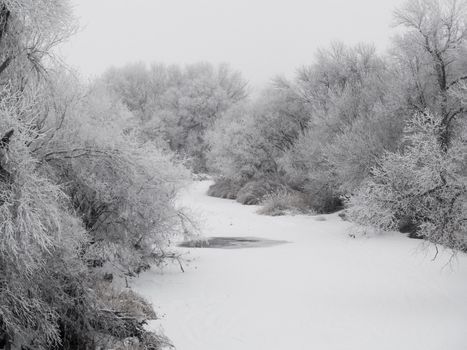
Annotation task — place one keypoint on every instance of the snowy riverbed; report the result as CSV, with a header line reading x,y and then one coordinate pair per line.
x,y
322,290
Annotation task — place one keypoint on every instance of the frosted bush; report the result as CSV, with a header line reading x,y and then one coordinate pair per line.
x,y
422,183
285,202
123,187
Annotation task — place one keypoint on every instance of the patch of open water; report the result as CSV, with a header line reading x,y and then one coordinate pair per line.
x,y
231,242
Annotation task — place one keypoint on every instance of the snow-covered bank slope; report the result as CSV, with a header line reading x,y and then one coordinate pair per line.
x,y
323,290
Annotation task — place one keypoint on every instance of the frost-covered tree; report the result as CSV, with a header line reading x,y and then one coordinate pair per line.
x,y
178,104
354,117
247,140
432,53
422,183
36,228
123,188
66,153
29,30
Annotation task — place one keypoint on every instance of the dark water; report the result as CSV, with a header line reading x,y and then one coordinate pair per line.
x,y
231,242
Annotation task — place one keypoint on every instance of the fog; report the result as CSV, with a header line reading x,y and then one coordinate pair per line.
x,y
260,38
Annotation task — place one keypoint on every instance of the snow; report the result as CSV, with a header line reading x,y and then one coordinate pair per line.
x,y
322,290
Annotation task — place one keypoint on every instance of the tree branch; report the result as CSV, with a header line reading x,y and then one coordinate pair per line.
x,y
5,64
5,141
457,81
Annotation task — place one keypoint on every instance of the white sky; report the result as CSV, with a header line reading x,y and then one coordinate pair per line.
x,y
261,38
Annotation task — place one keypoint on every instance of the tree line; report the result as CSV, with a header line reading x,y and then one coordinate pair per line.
x,y
382,135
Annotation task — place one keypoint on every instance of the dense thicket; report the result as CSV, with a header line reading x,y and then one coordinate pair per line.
x,y
247,142
382,134
319,134
84,200
177,105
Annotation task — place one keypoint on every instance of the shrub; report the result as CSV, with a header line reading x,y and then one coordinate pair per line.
x,y
255,191
283,202
423,185
123,188
324,198
224,188
307,170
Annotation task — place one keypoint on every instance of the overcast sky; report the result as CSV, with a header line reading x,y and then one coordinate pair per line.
x,y
261,38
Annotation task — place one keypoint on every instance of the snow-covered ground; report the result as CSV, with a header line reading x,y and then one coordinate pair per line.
x,y
322,290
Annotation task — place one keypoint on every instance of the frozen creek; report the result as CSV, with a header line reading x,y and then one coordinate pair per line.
x,y
321,290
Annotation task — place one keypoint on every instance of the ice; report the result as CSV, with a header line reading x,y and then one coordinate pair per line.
x,y
322,290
